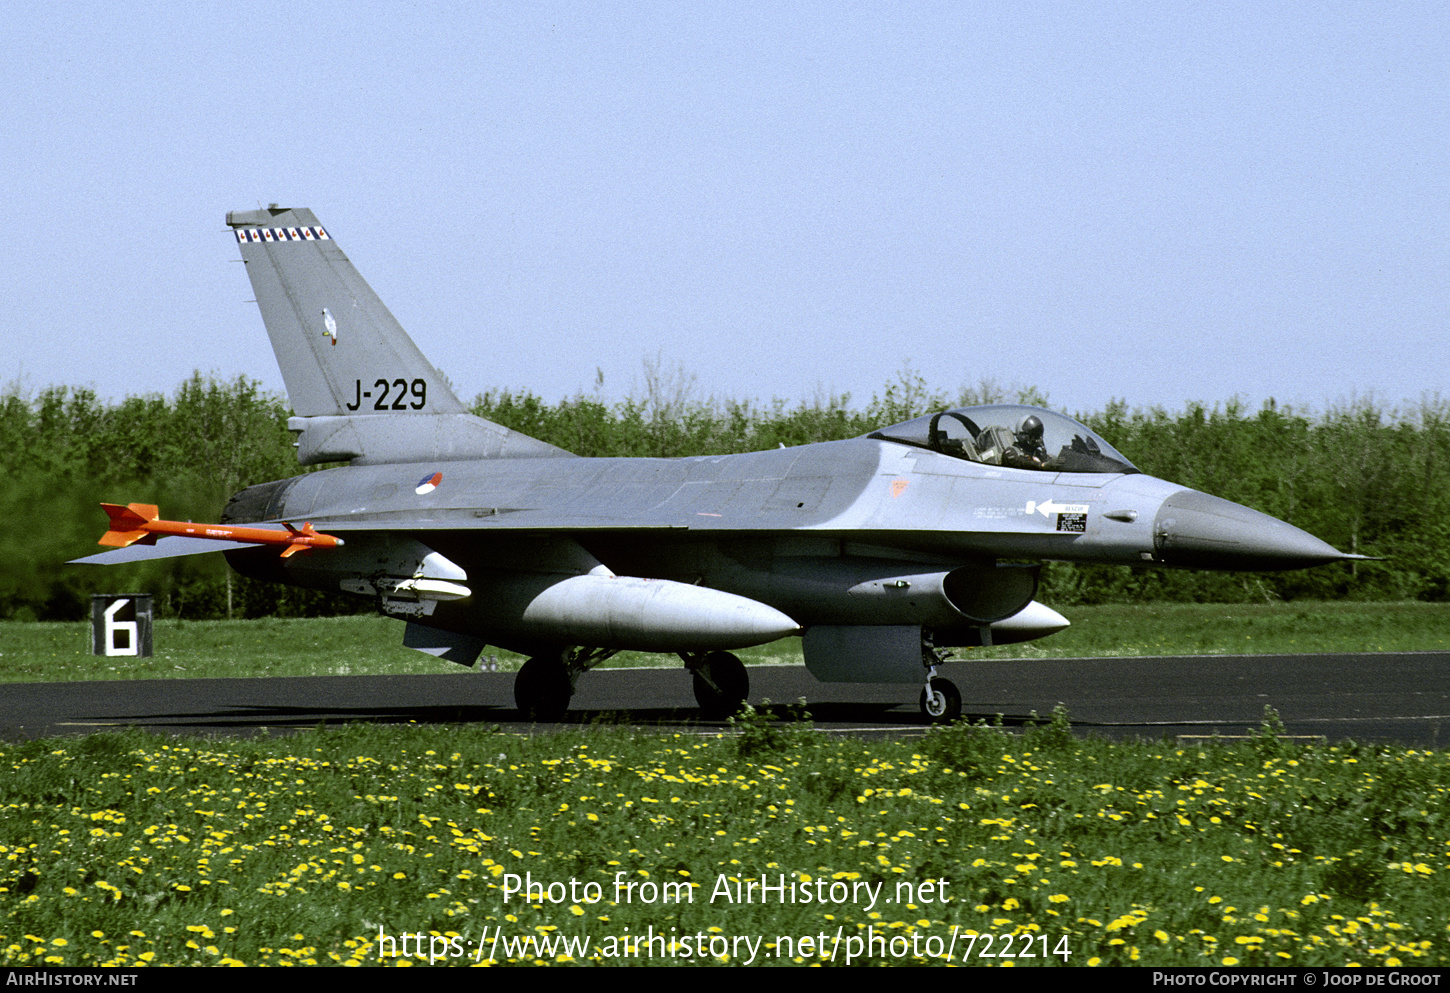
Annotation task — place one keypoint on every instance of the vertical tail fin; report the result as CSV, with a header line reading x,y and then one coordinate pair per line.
x,y
362,390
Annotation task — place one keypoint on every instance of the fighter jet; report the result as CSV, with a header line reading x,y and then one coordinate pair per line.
x,y
882,553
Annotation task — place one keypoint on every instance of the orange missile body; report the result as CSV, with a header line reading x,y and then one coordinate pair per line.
x,y
140,523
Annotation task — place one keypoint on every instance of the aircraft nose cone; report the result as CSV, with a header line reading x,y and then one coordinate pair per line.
x,y
1197,531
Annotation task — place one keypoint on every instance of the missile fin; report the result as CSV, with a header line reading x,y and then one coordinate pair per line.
x,y
128,524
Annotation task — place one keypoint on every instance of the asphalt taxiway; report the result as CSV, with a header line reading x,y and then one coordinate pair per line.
x,y
1403,698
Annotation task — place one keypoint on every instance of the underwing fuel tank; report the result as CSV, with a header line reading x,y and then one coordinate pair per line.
x,y
626,613
570,599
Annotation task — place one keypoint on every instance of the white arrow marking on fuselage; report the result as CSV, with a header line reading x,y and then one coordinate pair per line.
x,y
1047,508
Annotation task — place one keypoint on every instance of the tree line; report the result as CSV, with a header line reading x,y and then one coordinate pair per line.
x,y
1360,475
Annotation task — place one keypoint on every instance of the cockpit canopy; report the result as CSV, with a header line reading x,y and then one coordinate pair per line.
x,y
1011,435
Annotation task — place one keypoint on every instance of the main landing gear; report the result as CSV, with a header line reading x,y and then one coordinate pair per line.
x,y
721,683
542,688
545,683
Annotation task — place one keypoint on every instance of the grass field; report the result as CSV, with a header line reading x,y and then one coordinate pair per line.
x,y
770,844
39,652
971,845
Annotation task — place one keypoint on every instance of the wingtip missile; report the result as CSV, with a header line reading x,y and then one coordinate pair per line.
x,y
140,523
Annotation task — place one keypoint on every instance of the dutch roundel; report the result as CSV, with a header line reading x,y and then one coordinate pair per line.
x,y
428,483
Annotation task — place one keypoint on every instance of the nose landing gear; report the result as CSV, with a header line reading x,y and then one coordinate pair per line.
x,y
940,701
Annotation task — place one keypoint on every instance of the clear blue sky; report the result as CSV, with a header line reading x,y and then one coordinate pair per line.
x,y
1162,202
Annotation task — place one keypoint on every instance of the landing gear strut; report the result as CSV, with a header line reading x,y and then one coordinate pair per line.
x,y
721,683
940,701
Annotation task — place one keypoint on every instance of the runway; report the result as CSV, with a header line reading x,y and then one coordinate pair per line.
x,y
1396,698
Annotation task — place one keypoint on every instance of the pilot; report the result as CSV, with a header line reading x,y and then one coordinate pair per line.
x,y
1027,450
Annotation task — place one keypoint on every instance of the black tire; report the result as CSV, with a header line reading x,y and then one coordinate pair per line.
x,y
730,689
945,703
542,689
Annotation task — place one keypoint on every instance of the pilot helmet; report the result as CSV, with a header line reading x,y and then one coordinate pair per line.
x,y
1030,427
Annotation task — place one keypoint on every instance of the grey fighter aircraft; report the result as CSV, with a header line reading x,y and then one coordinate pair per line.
x,y
881,553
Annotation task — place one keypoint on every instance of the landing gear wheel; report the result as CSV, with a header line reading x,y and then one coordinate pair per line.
x,y
542,689
721,685
943,704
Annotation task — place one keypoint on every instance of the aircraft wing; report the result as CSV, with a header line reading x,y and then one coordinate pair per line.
x,y
528,520
522,520
165,548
